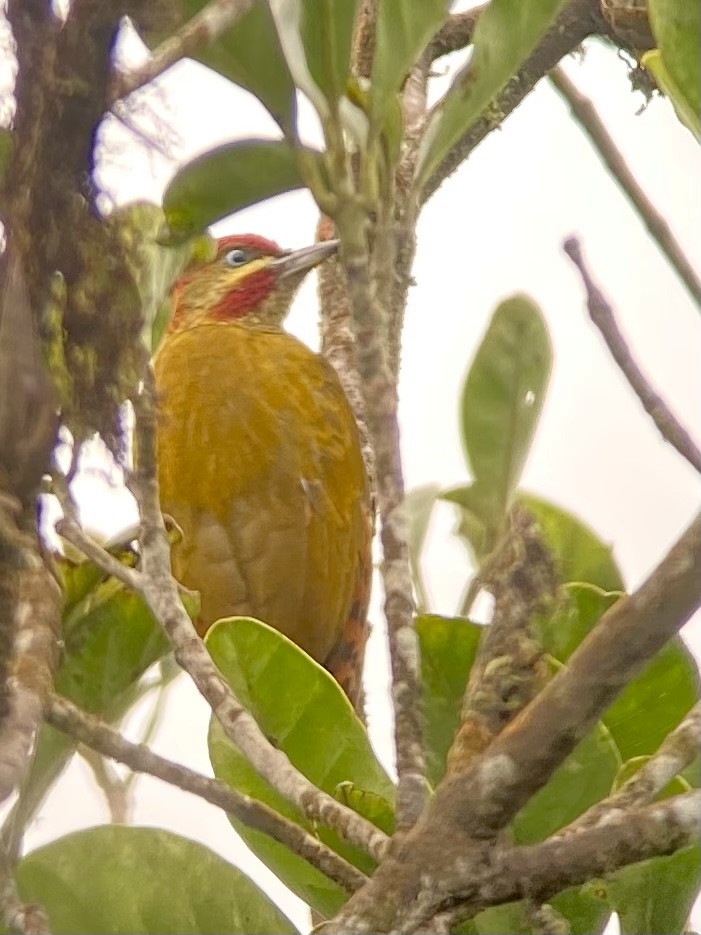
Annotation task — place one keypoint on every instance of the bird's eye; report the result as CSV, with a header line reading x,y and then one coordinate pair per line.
x,y
235,257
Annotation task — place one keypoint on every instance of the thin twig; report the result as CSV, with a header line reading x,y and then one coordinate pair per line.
x,y
369,318
106,741
588,119
204,28
601,314
674,755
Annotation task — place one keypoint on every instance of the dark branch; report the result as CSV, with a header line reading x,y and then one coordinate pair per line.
x,y
601,314
586,116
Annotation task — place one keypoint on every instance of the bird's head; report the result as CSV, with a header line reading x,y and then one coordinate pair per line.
x,y
250,280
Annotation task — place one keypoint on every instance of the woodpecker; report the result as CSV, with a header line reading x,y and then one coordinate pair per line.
x,y
260,460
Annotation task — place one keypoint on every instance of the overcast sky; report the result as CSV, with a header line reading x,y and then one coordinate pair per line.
x,y
493,229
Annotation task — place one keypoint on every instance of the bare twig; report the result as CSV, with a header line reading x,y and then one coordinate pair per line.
x,y
601,314
455,34
106,741
593,126
204,28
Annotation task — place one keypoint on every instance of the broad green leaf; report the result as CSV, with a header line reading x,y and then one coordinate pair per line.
x,y
374,807
418,505
506,33
402,32
580,554
578,610
586,915
154,267
448,648
655,897
655,702
227,179
303,711
585,777
585,911
143,880
249,54
502,399
676,25
316,36
327,33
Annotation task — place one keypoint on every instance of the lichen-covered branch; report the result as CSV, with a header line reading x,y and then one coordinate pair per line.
x,y
478,881
509,669
593,126
92,732
471,807
601,314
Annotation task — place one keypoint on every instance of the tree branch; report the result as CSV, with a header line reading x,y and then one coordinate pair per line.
x,y
540,871
675,753
106,741
579,19
369,319
472,806
586,116
204,28
601,314
508,670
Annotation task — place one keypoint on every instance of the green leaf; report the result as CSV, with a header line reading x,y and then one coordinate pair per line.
x,y
580,554
586,915
250,55
479,522
154,267
304,712
448,648
418,505
143,880
577,612
655,897
506,33
585,777
316,37
227,179
655,702
676,25
502,399
402,32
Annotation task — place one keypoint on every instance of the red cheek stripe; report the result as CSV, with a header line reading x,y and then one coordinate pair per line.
x,y
253,290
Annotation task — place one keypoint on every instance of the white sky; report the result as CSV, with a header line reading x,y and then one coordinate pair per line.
x,y
494,229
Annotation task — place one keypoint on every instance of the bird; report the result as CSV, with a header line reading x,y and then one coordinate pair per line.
x,y
260,462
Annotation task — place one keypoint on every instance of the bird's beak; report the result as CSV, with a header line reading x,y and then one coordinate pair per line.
x,y
299,261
